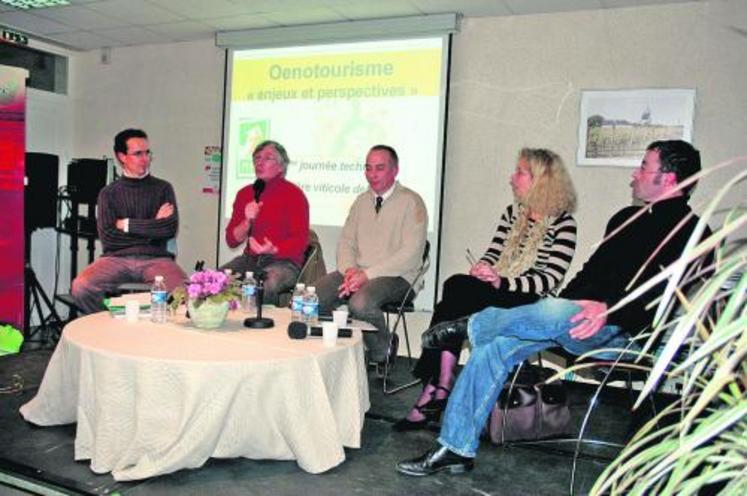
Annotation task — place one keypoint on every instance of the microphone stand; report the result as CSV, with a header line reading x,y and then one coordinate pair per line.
x,y
259,322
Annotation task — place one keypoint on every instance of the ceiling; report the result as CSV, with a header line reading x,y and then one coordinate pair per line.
x,y
92,24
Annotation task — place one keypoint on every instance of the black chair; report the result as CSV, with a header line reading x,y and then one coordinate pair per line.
x,y
401,309
313,250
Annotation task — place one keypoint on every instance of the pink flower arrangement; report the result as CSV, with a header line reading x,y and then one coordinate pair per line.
x,y
209,285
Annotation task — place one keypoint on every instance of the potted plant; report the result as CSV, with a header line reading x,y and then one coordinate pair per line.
x,y
698,444
208,295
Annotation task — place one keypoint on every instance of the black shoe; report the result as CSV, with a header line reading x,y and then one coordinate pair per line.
x,y
436,459
436,405
406,424
446,334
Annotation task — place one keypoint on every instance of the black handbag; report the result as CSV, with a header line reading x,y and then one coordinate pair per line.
x,y
534,410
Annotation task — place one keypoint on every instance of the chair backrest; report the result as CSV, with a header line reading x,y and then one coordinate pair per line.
x,y
418,283
313,267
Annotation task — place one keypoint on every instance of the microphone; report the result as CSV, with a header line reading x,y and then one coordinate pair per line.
x,y
258,187
297,330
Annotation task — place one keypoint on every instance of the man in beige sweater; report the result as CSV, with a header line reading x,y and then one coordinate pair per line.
x,y
379,252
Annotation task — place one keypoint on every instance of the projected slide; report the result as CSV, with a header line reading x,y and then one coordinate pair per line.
x,y
328,105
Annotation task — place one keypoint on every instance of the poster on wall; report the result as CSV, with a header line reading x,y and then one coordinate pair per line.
x,y
211,170
12,153
615,126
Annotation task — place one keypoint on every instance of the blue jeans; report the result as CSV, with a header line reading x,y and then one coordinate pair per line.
x,y
502,338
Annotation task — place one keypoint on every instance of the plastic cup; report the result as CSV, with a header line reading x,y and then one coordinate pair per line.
x,y
340,318
132,311
329,334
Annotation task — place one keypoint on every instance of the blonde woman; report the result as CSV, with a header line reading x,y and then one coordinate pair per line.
x,y
528,257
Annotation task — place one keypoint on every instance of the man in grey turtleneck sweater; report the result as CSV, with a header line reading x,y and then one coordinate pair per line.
x,y
137,216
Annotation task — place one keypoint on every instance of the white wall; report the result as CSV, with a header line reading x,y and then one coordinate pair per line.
x,y
48,118
175,93
49,129
515,82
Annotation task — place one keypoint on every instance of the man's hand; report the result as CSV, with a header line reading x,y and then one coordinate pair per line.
x,y
120,224
593,316
267,247
251,210
165,210
354,279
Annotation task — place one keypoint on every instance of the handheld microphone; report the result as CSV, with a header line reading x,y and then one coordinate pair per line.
x,y
297,330
258,187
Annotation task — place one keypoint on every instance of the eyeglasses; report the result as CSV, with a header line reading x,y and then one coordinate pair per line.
x,y
141,154
259,158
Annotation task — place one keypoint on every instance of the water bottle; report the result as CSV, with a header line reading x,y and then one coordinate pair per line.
x,y
158,305
249,294
311,307
297,302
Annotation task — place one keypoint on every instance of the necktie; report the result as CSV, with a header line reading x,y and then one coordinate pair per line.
x,y
379,200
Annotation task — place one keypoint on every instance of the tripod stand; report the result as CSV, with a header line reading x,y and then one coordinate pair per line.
x,y
50,326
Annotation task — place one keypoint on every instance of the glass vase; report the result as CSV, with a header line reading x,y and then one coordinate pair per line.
x,y
208,315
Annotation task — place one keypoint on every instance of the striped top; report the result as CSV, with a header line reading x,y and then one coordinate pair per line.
x,y
553,257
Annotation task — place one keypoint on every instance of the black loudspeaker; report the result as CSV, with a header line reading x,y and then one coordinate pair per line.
x,y
85,178
40,195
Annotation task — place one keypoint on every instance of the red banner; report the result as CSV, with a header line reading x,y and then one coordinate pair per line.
x,y
12,152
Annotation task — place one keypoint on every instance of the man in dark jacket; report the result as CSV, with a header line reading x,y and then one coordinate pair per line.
x,y
577,320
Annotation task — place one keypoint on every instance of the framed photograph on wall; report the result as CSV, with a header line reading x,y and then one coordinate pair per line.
x,y
615,126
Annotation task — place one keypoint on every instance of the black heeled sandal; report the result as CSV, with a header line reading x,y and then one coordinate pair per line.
x,y
406,424
436,406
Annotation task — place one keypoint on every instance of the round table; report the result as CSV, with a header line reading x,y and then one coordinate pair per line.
x,y
153,398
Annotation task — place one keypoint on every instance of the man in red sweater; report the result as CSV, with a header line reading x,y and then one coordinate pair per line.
x,y
272,217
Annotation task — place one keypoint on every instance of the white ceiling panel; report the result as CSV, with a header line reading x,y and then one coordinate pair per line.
x,y
31,23
374,10
135,11
611,4
200,9
80,17
85,40
135,35
183,31
522,7
475,8
307,16
279,5
195,19
249,21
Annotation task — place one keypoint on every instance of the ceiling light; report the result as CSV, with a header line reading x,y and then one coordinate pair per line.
x,y
35,4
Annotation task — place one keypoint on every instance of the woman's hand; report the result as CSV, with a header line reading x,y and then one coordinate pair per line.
x,y
485,272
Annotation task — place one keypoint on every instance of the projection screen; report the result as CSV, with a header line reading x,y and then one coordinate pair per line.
x,y
328,104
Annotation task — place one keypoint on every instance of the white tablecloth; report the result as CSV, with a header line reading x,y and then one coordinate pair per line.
x,y
150,399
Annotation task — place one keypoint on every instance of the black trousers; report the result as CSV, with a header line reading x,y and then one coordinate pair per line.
x,y
464,295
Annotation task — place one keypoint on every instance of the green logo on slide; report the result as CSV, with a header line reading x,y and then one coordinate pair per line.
x,y
251,133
